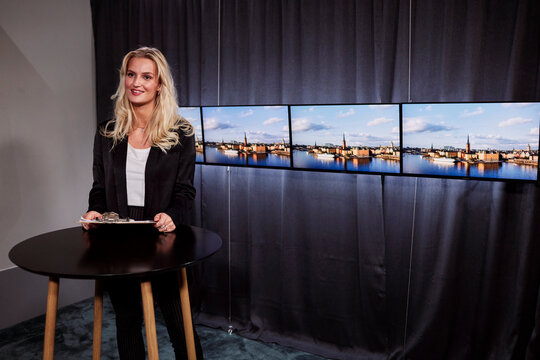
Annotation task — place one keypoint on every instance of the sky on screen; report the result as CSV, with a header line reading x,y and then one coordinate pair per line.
x,y
193,115
497,126
362,125
261,124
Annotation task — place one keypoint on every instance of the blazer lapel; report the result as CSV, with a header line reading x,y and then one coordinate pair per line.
x,y
119,156
152,164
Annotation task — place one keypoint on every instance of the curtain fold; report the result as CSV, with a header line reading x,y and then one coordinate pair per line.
x,y
472,270
475,50
319,287
305,52
185,31
353,266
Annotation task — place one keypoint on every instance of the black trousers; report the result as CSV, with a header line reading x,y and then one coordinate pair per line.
x,y
125,295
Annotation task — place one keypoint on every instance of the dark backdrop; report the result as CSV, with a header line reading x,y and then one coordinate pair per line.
x,y
353,266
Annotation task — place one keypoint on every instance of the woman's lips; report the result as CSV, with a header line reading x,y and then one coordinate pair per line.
x,y
136,92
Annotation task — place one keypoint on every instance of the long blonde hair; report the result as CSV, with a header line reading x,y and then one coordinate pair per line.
x,y
162,129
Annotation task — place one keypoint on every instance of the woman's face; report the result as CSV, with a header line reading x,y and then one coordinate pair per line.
x,y
141,81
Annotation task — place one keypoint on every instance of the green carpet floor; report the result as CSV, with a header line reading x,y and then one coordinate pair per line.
x,y
73,340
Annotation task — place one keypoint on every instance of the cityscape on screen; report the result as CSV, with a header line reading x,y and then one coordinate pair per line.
x,y
346,137
495,141
193,115
247,135
477,140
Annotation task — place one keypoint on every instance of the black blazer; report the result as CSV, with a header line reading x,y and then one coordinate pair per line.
x,y
168,179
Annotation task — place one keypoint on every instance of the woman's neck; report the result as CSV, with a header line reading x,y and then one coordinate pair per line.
x,y
142,115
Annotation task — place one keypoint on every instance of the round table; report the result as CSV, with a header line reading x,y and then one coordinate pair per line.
x,y
112,251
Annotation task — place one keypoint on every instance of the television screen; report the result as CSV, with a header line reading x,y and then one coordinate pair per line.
x,y
473,140
247,135
358,138
193,115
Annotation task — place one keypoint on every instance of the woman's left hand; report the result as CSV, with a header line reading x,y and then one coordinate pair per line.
x,y
164,223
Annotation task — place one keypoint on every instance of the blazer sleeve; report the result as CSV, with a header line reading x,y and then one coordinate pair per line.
x,y
97,198
184,191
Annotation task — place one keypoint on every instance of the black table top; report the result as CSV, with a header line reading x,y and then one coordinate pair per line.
x,y
113,250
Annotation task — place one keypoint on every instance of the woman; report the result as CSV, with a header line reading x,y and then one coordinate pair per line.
x,y
144,160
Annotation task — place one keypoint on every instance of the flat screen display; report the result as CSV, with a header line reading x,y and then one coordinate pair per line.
x,y
247,135
471,140
193,115
356,138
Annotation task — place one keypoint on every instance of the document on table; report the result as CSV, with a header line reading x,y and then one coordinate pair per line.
x,y
120,221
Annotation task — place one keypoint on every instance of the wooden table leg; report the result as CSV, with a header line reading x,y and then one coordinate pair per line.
x,y
149,320
186,314
50,318
98,320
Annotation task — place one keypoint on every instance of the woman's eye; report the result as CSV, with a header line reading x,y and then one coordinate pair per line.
x,y
147,77
130,74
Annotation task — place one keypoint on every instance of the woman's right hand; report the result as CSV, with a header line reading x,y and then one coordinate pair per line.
x,y
91,215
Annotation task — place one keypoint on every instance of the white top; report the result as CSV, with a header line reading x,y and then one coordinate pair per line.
x,y
135,166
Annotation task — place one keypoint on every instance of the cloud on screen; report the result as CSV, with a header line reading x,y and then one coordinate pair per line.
x,y
466,113
273,120
214,124
420,125
304,124
379,121
514,121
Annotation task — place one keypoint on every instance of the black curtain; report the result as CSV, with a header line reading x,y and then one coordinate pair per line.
x,y
475,50
313,52
353,266
185,31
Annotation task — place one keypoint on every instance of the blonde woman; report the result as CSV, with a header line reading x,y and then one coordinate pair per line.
x,y
144,161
